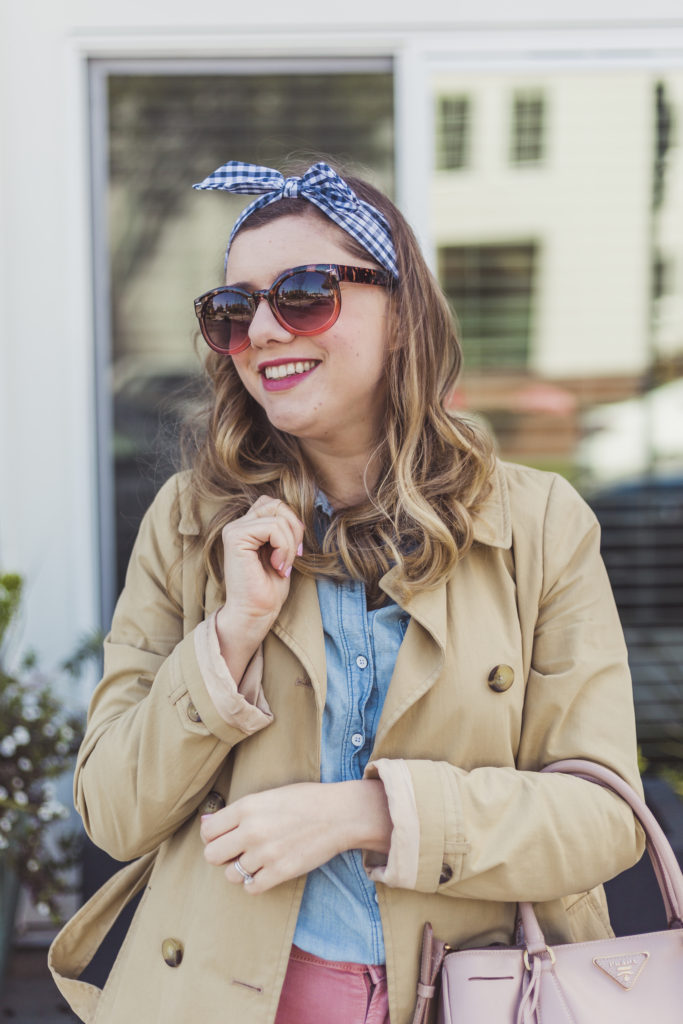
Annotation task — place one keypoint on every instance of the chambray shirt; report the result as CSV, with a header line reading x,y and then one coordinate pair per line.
x,y
339,916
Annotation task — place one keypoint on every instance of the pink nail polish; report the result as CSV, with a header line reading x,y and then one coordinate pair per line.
x,y
288,572
204,817
281,567
300,550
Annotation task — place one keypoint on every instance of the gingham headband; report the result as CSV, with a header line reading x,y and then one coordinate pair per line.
x,y
319,185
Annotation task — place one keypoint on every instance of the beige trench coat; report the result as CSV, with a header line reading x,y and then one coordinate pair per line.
x,y
531,595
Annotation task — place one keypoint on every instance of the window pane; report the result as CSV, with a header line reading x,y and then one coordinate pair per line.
x,y
527,128
452,133
491,289
167,242
568,285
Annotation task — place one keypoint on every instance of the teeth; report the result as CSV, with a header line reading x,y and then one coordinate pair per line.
x,y
288,369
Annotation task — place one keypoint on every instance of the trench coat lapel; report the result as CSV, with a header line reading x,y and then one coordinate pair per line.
x,y
299,626
422,655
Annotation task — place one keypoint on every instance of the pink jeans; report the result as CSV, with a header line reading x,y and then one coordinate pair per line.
x,y
332,991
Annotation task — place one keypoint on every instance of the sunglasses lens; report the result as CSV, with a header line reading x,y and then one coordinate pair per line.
x,y
308,301
226,317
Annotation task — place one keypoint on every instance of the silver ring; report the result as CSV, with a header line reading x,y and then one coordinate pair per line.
x,y
247,878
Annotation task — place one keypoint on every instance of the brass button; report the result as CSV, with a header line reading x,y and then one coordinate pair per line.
x,y
172,952
192,713
211,803
501,678
446,874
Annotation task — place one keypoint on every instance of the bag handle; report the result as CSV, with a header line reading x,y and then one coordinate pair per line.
x,y
666,867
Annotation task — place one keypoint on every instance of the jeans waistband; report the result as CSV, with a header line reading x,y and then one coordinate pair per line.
x,y
377,972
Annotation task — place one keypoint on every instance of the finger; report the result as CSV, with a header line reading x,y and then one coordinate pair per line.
x,y
284,546
277,508
253,534
217,824
222,850
264,879
235,876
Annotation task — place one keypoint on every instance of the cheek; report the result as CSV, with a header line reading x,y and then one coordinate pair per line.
x,y
249,381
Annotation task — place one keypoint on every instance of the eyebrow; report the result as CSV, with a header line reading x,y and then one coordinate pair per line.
x,y
245,286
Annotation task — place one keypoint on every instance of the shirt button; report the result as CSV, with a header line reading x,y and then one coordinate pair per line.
x,y
362,661
357,739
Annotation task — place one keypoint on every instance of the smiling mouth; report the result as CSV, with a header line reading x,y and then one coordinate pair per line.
x,y
289,369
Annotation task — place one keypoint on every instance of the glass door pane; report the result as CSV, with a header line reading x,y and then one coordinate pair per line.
x,y
165,243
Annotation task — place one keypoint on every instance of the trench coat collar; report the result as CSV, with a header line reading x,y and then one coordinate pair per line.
x,y
492,525
299,624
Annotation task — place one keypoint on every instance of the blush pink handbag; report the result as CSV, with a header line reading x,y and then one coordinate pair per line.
x,y
610,981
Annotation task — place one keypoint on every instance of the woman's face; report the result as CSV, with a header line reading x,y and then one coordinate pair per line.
x,y
336,401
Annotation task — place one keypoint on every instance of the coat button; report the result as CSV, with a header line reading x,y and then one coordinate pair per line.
x,y
501,678
172,952
211,803
192,713
446,874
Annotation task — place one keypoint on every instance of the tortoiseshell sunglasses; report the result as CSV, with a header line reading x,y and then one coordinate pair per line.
x,y
304,300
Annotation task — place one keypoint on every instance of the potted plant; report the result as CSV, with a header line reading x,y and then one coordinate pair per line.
x,y
38,738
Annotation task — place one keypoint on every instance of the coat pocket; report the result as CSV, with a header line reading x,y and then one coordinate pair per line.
x,y
588,916
78,941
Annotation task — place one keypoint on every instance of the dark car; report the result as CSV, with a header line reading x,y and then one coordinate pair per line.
x,y
642,545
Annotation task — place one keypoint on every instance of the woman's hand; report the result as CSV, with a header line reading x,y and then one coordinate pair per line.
x,y
286,832
259,551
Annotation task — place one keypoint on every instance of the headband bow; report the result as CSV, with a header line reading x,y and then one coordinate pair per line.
x,y
320,185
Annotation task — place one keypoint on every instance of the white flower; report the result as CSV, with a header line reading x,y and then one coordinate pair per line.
x,y
25,764
20,798
49,730
21,735
62,748
8,746
49,790
3,843
32,865
67,732
42,909
3,793
17,783
6,824
31,712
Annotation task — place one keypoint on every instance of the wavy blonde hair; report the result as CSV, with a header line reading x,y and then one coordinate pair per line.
x,y
435,467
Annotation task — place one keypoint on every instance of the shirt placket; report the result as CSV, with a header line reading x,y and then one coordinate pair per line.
x,y
353,629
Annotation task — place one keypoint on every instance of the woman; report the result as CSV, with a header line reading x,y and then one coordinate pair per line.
x,y
347,643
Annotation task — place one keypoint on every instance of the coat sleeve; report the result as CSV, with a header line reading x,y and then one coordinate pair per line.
x,y
509,833
155,740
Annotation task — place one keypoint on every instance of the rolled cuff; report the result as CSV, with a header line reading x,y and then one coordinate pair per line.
x,y
401,867
242,705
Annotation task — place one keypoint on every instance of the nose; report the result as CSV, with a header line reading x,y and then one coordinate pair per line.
x,y
265,328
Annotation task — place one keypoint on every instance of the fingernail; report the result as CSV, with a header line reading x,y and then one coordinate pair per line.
x,y
288,572
204,817
281,567
300,550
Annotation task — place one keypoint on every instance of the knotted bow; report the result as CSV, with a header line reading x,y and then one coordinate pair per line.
x,y
320,185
